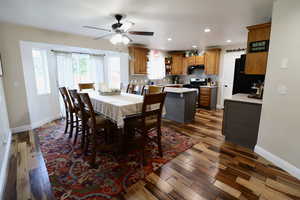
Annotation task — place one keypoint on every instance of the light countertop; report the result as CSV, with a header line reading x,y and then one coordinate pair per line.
x,y
179,90
244,98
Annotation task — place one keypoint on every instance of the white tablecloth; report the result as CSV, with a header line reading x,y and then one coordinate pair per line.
x,y
117,107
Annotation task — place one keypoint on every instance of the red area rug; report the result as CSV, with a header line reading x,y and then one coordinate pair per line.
x,y
71,176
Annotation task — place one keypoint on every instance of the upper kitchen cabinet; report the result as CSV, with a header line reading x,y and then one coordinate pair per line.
x,y
257,51
212,61
195,60
139,59
177,67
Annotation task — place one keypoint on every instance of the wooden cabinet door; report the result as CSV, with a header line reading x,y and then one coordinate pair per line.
x,y
212,61
139,59
177,64
199,60
143,59
205,97
185,65
191,61
256,63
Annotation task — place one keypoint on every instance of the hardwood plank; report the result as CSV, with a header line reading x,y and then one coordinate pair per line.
x,y
283,188
23,183
226,188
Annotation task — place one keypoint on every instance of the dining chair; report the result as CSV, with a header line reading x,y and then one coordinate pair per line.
x,y
70,112
152,89
85,86
95,124
131,89
147,121
81,116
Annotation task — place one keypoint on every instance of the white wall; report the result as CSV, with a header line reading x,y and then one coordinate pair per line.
x,y
5,138
279,132
14,83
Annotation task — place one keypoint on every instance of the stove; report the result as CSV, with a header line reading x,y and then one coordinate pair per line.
x,y
196,83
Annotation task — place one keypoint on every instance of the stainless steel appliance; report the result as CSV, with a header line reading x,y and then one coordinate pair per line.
x,y
196,83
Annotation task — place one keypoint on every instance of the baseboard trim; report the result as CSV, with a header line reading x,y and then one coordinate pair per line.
x,y
33,125
278,161
4,167
21,128
45,121
220,107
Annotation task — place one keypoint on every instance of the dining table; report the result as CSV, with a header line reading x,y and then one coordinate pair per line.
x,y
116,107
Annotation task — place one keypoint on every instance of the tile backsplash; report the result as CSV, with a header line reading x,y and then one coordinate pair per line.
x,y
183,79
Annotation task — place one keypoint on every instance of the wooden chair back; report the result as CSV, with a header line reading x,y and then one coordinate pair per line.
x,y
130,89
88,107
73,96
153,106
66,99
153,89
84,86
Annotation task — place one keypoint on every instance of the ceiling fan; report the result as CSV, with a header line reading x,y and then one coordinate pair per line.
x,y
119,31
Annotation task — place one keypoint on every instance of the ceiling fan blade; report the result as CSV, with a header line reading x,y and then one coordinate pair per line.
x,y
104,36
145,33
97,28
127,25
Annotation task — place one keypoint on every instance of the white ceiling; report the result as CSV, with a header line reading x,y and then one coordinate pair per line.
x,y
182,20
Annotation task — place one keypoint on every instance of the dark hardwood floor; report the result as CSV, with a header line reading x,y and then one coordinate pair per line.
x,y
212,169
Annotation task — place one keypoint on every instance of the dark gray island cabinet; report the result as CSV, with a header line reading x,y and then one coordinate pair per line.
x,y
241,120
180,104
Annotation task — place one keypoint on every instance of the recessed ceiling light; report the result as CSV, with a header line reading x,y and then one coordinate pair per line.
x,y
207,30
228,41
194,46
169,39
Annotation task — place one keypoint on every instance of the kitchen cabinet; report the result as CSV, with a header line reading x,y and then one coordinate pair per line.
x,y
139,59
195,60
177,67
256,62
208,97
212,61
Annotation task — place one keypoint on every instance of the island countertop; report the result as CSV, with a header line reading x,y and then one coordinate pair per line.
x,y
179,90
244,98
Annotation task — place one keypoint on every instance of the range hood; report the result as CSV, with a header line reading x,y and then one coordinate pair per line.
x,y
191,69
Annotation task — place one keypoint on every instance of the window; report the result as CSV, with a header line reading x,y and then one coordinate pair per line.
x,y
156,65
114,74
40,65
81,68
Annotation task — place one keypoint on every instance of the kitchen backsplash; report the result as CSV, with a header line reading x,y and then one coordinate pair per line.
x,y
183,79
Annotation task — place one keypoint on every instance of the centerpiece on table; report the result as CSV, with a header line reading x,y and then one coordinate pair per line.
x,y
106,91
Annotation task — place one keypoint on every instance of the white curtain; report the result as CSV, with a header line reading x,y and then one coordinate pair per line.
x,y
156,65
65,75
65,70
73,68
97,69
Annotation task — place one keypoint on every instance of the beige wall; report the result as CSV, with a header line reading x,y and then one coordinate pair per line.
x,y
4,138
279,131
10,37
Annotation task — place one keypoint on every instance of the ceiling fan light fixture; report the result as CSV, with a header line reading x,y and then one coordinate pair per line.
x,y
125,40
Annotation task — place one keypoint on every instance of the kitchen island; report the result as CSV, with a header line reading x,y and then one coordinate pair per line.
x,y
241,120
180,104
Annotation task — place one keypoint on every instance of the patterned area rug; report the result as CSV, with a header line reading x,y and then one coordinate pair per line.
x,y
71,176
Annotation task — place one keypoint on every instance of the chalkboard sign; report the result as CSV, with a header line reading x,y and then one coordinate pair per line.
x,y
259,46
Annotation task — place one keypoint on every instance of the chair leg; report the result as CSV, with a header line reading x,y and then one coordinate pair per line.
x,y
87,141
77,130
72,124
159,142
67,122
93,162
83,134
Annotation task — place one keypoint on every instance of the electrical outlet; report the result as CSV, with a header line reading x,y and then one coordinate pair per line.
x,y
284,63
282,89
